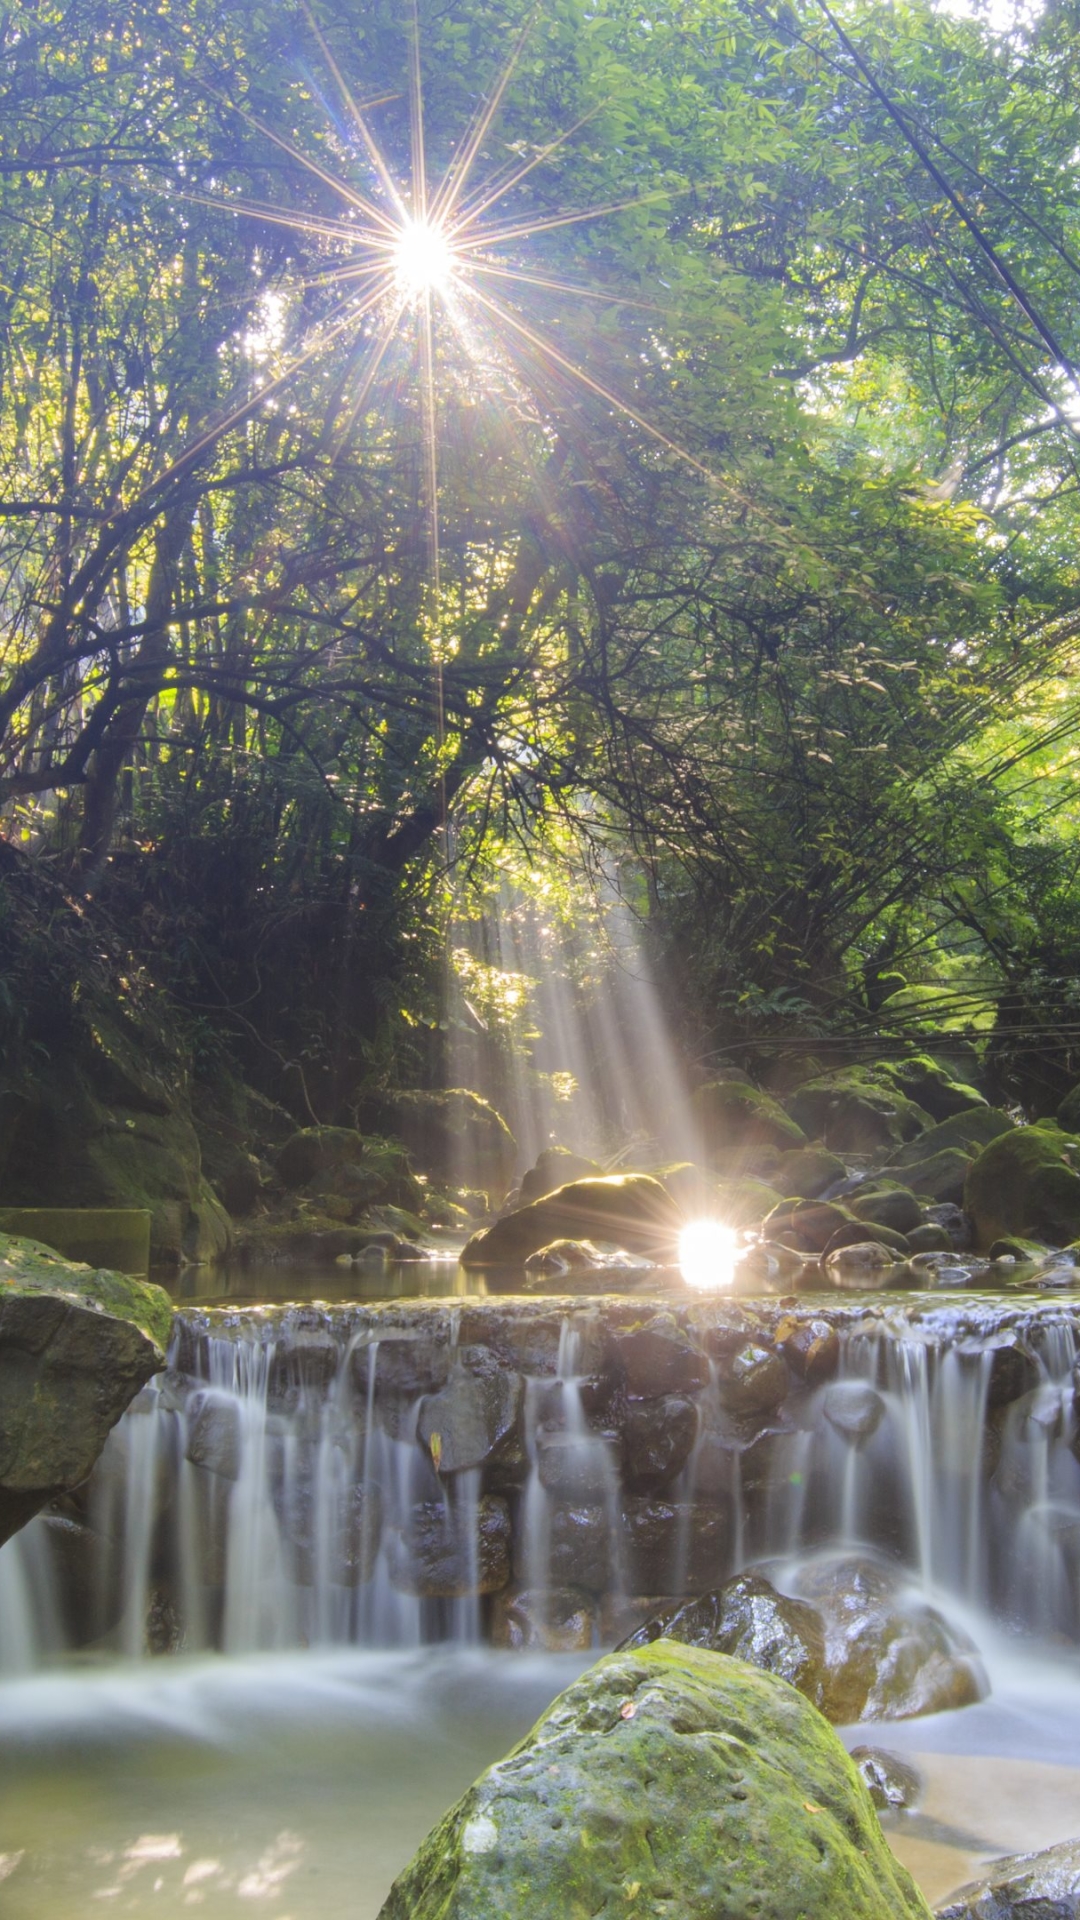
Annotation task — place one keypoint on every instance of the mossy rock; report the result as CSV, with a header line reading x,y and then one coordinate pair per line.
x,y
931,1086
939,1177
1068,1114
853,1113
861,1233
1013,1246
633,1210
891,1206
731,1115
1026,1182
969,1131
807,1172
76,1344
811,1224
666,1780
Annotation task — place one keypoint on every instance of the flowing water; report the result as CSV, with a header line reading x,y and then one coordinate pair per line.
x,y
327,1694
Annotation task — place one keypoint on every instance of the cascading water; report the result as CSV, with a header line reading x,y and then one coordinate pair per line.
x,y
282,1485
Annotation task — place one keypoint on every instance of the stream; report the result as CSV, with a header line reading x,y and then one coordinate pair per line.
x,y
283,1696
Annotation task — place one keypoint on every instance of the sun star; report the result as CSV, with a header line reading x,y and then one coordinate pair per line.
x,y
423,258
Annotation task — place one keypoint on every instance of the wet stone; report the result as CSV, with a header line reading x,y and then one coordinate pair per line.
x,y
579,1548
658,1358
310,1362
406,1365
748,1619
853,1410
548,1619
657,1439
891,1782
577,1466
214,1439
672,1547
753,1379
811,1348
441,1553
1013,1368
466,1423
1026,1886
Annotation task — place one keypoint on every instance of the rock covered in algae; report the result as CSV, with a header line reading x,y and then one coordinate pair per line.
x,y
665,1781
1026,1182
632,1209
76,1344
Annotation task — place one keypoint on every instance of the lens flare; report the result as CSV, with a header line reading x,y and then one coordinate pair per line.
x,y
707,1254
423,258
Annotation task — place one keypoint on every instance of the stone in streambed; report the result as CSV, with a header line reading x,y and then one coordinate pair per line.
x,y
473,1416
866,1233
666,1780
894,1207
931,1086
1025,1886
808,1224
853,1114
891,1782
808,1172
967,1132
854,1410
657,1438
733,1115
633,1210
76,1345
657,1358
940,1177
751,1378
550,1619
749,1620
1026,1182
810,1346
442,1554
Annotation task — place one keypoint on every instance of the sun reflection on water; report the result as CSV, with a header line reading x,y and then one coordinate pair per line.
x,y
707,1254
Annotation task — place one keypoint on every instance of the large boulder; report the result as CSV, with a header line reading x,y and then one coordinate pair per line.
x,y
931,1086
555,1167
666,1780
1026,1886
339,1165
731,1115
968,1132
454,1135
847,1636
75,1347
853,1113
1026,1182
632,1209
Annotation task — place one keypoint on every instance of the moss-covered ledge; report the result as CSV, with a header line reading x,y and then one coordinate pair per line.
x,y
76,1345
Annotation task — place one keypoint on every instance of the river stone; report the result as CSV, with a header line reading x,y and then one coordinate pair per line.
x,y
810,1224
863,1232
406,1362
752,1379
1025,1886
465,1424
895,1207
932,1088
579,1548
576,1466
891,1782
657,1358
555,1167
549,1619
810,1346
857,1257
1026,1182
930,1239
939,1176
854,1114
969,1132
750,1620
447,1555
633,1210
671,1547
214,1436
808,1172
76,1345
888,1656
731,1114
854,1410
664,1781
1013,1368
657,1438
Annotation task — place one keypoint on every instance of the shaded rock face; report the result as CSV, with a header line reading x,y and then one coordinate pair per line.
x,y
555,1167
1025,1886
110,1125
75,1347
669,1780
454,1134
1026,1182
465,1424
847,1639
632,1209
440,1554
733,1115
853,1114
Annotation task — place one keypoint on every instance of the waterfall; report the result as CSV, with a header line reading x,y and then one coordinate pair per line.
x,y
274,1487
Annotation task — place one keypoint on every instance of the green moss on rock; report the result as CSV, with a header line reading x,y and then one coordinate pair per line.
x,y
632,1209
733,1115
666,1780
1026,1182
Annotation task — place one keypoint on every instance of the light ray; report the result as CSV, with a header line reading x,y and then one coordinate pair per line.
x,y
356,111
375,361
549,351
316,224
477,265
333,181
496,189
416,122
526,229
458,172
